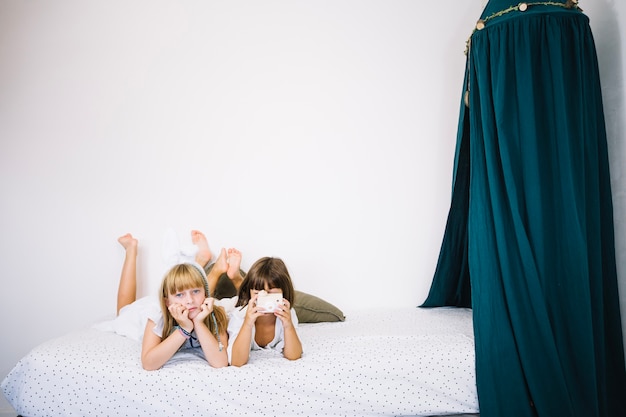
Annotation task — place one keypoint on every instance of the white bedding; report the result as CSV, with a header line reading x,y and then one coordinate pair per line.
x,y
412,361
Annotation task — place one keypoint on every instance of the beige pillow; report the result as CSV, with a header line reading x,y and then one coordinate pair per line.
x,y
312,309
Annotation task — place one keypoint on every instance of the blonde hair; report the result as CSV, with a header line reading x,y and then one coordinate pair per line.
x,y
179,278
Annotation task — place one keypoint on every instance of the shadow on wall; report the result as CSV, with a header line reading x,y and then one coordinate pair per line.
x,y
606,31
609,47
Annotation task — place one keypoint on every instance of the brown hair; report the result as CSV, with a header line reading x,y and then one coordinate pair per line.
x,y
270,271
183,277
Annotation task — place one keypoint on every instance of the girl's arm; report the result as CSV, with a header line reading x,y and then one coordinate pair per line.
x,y
293,346
243,340
154,351
241,346
210,345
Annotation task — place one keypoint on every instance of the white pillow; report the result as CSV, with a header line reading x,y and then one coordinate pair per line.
x,y
228,304
131,322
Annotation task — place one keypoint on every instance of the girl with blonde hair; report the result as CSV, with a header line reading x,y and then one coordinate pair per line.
x,y
188,318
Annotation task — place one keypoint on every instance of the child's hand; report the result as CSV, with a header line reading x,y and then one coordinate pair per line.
x,y
205,309
181,315
284,313
253,311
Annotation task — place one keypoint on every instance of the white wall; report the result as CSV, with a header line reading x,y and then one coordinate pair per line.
x,y
321,132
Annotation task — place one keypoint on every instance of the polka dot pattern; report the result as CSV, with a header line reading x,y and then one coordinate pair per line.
x,y
378,362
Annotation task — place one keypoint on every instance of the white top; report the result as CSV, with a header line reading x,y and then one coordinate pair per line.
x,y
235,320
132,318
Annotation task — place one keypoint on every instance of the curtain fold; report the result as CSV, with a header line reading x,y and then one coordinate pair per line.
x,y
530,227
451,283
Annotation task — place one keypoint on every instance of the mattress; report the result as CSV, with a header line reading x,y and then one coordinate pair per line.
x,y
404,362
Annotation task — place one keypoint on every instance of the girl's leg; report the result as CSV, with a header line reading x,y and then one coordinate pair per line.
x,y
204,255
127,290
216,270
234,271
227,262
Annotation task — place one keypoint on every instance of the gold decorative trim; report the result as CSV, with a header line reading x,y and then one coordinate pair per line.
x,y
521,7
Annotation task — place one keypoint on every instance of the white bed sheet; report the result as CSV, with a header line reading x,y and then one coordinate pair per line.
x,y
413,362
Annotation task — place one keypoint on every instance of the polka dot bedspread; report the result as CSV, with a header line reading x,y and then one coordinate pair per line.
x,y
413,362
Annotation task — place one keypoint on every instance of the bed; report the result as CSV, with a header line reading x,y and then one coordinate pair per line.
x,y
402,362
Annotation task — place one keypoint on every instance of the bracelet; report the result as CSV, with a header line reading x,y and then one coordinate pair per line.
x,y
184,332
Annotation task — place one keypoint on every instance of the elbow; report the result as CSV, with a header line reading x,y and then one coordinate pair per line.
x,y
293,357
292,354
240,356
238,362
221,364
148,365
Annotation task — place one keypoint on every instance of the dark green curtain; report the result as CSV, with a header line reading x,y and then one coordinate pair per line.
x,y
529,241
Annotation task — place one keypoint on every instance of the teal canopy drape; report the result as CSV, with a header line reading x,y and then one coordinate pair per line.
x,y
529,241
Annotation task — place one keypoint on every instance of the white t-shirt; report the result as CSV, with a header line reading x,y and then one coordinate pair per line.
x,y
131,321
236,318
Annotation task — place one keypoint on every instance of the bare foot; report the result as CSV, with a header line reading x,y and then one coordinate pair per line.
x,y
234,263
128,241
234,267
204,255
221,263
217,269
